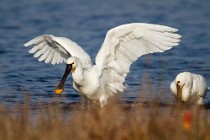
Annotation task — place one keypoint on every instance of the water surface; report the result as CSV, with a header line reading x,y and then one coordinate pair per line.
x,y
86,22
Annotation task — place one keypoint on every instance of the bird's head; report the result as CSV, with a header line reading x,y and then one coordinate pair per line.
x,y
183,83
73,61
71,65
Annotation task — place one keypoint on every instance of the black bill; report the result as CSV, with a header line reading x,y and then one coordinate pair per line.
x,y
60,88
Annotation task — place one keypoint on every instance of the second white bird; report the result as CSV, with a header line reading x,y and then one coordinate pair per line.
x,y
189,87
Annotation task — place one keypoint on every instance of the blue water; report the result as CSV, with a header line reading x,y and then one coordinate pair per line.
x,y
86,22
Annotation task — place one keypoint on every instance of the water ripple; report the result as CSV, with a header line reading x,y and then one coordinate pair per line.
x,y
21,74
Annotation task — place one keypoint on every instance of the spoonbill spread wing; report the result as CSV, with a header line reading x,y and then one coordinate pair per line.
x,y
126,43
56,50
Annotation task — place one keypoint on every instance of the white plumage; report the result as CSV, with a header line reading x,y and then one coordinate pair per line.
x,y
189,87
122,46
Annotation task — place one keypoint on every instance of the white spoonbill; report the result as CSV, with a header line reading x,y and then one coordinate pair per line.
x,y
122,46
189,87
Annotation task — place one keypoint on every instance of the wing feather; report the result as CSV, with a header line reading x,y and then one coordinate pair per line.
x,y
58,59
36,40
44,49
45,55
37,54
55,57
125,44
55,50
36,48
50,57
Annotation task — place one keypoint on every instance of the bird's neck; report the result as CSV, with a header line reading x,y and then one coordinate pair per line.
x,y
77,75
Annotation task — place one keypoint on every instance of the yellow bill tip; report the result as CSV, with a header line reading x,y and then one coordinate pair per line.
x,y
58,91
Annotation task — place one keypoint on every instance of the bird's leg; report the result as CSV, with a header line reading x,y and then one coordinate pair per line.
x,y
85,103
200,101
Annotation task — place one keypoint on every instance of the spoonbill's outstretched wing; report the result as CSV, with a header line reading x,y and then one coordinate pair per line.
x,y
55,50
125,44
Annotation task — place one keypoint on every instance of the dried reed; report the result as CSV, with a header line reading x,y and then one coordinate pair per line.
x,y
114,121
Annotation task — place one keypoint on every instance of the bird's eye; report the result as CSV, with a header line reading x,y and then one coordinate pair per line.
x,y
72,63
178,83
